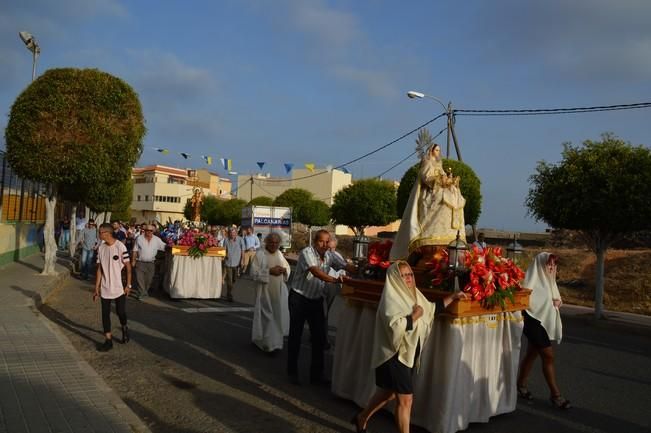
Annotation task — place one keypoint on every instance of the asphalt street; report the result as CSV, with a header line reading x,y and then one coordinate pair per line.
x,y
191,367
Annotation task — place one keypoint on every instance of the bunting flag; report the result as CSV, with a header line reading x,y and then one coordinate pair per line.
x,y
232,173
288,167
184,155
310,166
163,151
208,159
227,163
260,164
345,170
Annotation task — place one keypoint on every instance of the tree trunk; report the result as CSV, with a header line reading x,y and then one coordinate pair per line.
x,y
72,246
48,234
600,250
474,231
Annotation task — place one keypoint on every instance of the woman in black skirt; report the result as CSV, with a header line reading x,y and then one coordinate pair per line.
x,y
542,325
403,322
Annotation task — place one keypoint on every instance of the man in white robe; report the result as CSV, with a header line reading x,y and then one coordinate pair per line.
x,y
271,312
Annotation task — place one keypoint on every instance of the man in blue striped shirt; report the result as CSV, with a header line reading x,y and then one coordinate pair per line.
x,y
308,289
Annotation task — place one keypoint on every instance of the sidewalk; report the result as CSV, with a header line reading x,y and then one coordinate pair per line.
x,y
45,385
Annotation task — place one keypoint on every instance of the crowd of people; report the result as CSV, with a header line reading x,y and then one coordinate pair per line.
x,y
286,299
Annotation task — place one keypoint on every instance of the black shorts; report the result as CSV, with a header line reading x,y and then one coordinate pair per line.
x,y
535,332
395,376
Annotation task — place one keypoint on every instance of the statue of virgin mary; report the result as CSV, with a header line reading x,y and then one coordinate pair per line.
x,y
434,212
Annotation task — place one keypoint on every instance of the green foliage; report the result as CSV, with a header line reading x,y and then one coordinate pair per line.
x,y
231,212
368,202
115,197
297,199
602,188
75,126
261,201
470,186
317,213
216,211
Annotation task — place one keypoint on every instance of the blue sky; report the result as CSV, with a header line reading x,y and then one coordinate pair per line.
x,y
325,81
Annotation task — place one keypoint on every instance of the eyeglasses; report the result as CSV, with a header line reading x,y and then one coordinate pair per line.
x,y
407,274
149,230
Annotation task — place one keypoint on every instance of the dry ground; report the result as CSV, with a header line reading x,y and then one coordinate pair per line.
x,y
627,278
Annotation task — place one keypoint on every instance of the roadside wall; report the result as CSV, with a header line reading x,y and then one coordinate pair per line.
x,y
17,240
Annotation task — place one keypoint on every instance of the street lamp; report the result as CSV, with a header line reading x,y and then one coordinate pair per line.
x,y
457,250
32,45
412,94
514,250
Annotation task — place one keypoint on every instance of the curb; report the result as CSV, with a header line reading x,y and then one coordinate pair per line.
x,y
136,424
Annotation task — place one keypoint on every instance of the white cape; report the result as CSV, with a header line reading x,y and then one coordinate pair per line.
x,y
544,292
271,311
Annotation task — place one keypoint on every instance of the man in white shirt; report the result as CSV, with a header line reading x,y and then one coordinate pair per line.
x,y
144,257
112,256
251,245
479,243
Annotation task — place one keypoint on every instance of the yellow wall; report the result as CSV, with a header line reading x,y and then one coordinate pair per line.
x,y
324,186
17,240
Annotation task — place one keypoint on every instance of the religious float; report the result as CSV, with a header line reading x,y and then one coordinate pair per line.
x,y
469,363
194,266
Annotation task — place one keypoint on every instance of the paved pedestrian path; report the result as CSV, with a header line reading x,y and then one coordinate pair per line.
x,y
45,386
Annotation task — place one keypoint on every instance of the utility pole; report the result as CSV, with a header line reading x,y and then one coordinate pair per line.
x,y
251,196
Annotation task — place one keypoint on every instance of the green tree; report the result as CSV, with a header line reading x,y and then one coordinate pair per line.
x,y
367,202
231,212
261,201
601,189
470,186
317,213
74,127
297,199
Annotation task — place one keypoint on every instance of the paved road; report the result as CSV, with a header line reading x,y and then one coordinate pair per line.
x,y
191,368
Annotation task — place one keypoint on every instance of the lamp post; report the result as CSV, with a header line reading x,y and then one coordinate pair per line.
x,y
457,250
412,94
32,45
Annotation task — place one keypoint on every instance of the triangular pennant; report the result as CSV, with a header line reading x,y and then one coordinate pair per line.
x,y
345,170
226,163
163,151
310,166
288,167
184,155
208,159
260,164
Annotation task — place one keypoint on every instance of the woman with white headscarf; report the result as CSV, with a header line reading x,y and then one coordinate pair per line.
x,y
403,322
542,325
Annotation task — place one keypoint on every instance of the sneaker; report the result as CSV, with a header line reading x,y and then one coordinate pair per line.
x,y
125,335
108,345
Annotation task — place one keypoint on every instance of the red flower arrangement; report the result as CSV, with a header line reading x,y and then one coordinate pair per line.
x,y
491,278
378,254
198,243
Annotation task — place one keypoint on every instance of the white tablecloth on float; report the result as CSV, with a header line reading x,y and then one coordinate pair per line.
x,y
194,278
468,367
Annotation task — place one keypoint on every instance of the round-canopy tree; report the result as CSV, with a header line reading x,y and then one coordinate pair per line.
x,y
261,201
470,186
297,199
75,127
602,189
317,213
367,202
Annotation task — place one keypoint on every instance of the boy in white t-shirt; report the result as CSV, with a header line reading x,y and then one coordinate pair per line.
x,y
112,256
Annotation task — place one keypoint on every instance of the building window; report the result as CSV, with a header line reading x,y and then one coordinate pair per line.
x,y
146,198
139,197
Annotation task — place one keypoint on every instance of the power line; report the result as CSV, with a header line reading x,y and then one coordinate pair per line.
x,y
409,156
366,154
543,111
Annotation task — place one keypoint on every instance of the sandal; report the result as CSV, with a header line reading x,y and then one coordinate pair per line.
x,y
524,393
560,403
